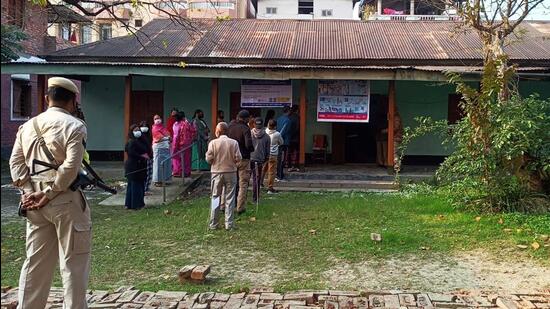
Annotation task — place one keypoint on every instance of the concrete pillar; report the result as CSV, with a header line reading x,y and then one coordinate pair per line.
x,y
303,116
214,105
412,8
379,7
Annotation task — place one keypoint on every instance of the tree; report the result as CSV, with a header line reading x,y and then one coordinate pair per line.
x,y
12,36
502,145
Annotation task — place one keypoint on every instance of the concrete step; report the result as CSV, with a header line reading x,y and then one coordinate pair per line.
x,y
337,184
313,189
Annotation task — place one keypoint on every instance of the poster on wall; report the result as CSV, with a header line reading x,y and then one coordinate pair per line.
x,y
343,101
266,93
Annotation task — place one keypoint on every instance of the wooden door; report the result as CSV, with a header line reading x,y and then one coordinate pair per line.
x,y
338,143
146,104
235,107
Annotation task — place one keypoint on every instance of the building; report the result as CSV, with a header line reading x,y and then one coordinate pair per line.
x,y
124,81
309,9
404,10
221,9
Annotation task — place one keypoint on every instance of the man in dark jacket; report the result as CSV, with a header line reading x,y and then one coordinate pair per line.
x,y
239,131
294,146
284,126
260,155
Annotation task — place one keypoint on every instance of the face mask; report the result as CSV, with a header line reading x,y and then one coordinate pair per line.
x,y
137,134
144,129
158,121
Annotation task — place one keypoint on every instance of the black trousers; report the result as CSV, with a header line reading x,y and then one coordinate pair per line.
x,y
281,161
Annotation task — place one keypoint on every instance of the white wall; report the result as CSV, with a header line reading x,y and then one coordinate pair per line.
x,y
288,9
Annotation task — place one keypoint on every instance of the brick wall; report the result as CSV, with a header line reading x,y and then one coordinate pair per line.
x,y
34,21
9,127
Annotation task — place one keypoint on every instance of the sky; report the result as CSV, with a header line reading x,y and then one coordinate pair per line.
x,y
542,12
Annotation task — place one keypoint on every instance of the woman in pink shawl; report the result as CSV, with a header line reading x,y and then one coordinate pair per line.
x,y
177,145
162,169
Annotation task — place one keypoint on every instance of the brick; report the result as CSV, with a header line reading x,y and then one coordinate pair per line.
x,y
441,298
128,296
185,273
251,300
205,297
304,307
97,296
271,296
506,303
143,297
423,301
111,298
315,292
158,304
407,300
260,290
131,306
217,304
200,272
285,304
377,301
266,303
391,301
346,302
449,305
201,306
269,306
542,305
103,306
238,295
322,299
233,303
526,304
329,304
307,296
344,293
535,298
170,295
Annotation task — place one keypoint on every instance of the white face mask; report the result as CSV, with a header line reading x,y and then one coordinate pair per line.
x,y
158,121
144,129
137,134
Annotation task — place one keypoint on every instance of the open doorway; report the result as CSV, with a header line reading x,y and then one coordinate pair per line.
x,y
235,107
356,142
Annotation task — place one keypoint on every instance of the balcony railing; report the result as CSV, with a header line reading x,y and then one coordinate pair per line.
x,y
414,17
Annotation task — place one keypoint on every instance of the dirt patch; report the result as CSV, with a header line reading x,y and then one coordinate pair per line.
x,y
472,271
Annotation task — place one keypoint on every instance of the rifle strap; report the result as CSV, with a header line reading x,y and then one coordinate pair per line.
x,y
41,141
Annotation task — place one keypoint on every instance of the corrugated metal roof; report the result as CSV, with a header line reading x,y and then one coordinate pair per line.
x,y
309,41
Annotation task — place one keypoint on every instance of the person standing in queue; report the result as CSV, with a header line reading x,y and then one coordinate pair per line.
x,y
171,120
224,156
162,167
239,131
147,137
203,135
135,168
58,218
284,127
259,156
177,144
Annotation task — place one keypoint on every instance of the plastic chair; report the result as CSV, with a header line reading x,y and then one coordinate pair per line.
x,y
319,148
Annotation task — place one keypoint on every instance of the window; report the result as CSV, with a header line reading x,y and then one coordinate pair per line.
x,y
105,31
212,5
326,13
20,97
271,10
454,111
138,23
15,12
65,32
86,34
305,7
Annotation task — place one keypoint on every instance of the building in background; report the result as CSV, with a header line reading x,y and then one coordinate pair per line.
x,y
221,9
404,10
305,9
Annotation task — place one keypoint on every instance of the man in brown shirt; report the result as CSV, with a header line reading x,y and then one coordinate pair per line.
x,y
224,156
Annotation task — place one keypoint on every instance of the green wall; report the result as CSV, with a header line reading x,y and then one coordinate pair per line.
x,y
103,104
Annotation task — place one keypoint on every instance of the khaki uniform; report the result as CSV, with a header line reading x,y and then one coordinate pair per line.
x,y
61,230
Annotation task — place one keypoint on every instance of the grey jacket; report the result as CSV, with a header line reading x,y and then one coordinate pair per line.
x,y
262,144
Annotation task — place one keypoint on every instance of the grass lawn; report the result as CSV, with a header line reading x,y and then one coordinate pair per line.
x,y
292,242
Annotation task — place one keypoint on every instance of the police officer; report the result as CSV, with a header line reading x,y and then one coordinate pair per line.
x,y
58,219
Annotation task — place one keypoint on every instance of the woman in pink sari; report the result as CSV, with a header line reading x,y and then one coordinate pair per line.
x,y
177,145
162,168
